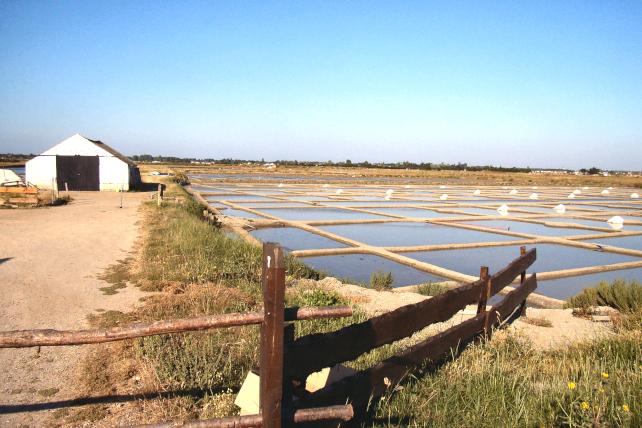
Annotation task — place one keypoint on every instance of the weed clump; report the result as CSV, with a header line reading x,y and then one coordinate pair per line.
x,y
431,289
381,281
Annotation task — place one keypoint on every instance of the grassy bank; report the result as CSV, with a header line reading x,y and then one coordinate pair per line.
x,y
194,269
197,269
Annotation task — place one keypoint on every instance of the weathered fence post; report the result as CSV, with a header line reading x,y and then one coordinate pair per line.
x,y
272,336
484,293
159,195
484,289
522,278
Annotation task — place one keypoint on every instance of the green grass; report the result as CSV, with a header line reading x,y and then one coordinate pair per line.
x,y
381,281
509,384
431,289
621,295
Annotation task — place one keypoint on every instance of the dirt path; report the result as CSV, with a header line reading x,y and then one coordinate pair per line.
x,y
49,262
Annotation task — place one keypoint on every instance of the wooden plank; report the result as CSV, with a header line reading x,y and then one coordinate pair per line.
x,y
513,299
505,276
27,338
374,382
272,337
332,413
23,200
316,351
16,189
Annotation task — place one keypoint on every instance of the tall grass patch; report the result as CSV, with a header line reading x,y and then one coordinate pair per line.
x,y
509,384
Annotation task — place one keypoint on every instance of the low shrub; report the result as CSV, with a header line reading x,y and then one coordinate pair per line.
x,y
621,295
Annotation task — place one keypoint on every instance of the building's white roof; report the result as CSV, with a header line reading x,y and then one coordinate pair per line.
x,y
82,146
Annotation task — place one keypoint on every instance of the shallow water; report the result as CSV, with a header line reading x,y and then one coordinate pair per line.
x,y
550,257
318,214
564,288
413,212
408,234
292,239
532,228
592,223
231,212
360,266
239,198
631,242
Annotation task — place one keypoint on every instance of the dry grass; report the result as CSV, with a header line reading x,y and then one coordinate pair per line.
x,y
380,174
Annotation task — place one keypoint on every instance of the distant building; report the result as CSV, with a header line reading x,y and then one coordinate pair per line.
x,y
82,164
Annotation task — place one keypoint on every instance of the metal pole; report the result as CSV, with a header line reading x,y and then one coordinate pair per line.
x,y
53,197
121,195
272,336
159,197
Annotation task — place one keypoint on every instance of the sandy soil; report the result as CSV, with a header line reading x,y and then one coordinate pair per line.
x,y
49,262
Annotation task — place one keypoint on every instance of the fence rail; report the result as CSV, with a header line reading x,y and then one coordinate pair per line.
x,y
48,337
285,363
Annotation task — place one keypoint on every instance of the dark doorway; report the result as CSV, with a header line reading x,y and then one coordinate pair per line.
x,y
79,172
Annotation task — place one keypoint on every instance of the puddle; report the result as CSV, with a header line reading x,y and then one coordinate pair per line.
x,y
359,267
292,239
408,234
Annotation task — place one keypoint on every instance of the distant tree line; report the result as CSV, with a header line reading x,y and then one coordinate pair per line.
x,y
347,164
591,171
408,165
14,158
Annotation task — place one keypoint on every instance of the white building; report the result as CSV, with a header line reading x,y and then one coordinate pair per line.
x,y
82,164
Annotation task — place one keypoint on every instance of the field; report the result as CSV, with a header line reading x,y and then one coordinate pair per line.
x,y
198,269
428,233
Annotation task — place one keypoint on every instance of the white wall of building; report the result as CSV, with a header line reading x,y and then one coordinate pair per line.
x,y
113,172
40,171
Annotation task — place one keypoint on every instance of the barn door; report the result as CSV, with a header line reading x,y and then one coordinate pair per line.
x,y
79,172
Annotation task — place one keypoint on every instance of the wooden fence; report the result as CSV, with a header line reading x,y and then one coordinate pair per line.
x,y
285,363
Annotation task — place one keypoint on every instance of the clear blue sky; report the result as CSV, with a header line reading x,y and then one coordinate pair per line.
x,y
552,84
